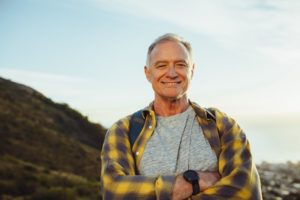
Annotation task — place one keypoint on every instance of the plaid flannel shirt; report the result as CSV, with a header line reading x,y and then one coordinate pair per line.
x,y
120,178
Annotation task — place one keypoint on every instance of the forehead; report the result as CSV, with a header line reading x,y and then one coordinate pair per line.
x,y
169,50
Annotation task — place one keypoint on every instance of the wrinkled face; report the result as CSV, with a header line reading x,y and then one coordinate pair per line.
x,y
170,70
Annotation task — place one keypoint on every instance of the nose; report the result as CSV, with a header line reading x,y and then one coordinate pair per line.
x,y
172,72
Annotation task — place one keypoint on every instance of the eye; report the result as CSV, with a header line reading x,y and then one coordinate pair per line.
x,y
181,65
161,66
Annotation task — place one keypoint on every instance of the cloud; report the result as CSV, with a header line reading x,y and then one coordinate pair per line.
x,y
262,26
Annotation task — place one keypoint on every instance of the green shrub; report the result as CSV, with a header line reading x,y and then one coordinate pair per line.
x,y
56,193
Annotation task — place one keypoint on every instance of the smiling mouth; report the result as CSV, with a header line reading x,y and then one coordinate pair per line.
x,y
170,84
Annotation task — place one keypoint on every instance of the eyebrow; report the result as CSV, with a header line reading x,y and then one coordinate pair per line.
x,y
177,61
165,61
160,62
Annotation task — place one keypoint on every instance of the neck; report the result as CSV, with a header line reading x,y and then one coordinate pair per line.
x,y
168,107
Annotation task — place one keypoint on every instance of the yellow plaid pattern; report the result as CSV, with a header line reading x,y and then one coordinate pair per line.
x,y
120,178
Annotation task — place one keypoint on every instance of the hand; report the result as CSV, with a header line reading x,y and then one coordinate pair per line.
x,y
207,179
182,189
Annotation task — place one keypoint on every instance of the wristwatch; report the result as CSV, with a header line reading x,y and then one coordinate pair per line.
x,y
192,177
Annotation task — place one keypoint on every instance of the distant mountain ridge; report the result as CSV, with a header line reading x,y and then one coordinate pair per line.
x,y
50,139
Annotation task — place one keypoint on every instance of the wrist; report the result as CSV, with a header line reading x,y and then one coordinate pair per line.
x,y
181,189
208,179
193,179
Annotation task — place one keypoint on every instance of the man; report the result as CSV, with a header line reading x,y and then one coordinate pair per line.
x,y
183,151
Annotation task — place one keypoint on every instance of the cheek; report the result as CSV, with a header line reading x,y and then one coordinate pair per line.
x,y
157,76
186,76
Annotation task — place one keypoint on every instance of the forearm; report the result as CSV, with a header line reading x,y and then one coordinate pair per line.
x,y
239,177
136,187
183,189
239,184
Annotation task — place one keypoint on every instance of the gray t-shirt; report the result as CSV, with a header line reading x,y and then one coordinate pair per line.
x,y
177,144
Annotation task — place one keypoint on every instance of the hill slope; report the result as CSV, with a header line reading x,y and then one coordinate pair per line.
x,y
47,150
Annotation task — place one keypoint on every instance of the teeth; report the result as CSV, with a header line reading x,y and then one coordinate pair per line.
x,y
170,84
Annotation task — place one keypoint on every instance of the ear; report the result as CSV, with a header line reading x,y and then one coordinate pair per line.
x,y
147,73
193,68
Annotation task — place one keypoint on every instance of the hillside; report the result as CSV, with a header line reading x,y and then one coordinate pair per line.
x,y
47,150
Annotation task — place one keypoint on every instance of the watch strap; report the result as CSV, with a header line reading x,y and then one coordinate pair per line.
x,y
196,187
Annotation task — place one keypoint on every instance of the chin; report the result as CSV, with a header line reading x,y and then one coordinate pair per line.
x,y
170,95
173,97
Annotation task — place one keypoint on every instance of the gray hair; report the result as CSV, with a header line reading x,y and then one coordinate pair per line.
x,y
169,37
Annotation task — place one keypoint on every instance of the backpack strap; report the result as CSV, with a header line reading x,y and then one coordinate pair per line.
x,y
136,125
211,114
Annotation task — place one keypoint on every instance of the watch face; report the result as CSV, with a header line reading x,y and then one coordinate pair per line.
x,y
190,175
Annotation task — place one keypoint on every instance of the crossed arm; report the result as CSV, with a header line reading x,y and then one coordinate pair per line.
x,y
237,177
182,189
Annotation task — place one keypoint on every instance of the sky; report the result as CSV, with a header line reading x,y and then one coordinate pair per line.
x,y
90,54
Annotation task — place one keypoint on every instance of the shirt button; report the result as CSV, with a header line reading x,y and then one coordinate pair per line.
x,y
137,153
